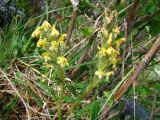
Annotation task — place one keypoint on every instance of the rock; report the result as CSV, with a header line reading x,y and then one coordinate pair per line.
x,y
140,112
1,3
7,11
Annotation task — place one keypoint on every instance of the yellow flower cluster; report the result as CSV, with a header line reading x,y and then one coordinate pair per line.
x,y
62,61
109,50
52,43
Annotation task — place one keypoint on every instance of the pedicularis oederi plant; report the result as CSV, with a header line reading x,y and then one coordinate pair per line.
x,y
110,45
53,45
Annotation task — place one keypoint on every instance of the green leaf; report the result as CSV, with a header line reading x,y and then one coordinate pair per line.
x,y
95,108
36,98
144,91
88,31
157,86
79,20
11,105
151,8
68,99
49,90
86,4
110,102
72,88
19,74
106,94
155,27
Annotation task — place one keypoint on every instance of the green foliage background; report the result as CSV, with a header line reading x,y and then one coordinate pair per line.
x,y
20,59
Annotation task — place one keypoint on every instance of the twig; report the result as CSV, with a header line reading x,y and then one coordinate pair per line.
x,y
130,17
35,70
27,111
73,19
153,108
147,58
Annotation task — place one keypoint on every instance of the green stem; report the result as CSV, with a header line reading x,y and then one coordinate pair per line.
x,y
94,83
60,103
89,88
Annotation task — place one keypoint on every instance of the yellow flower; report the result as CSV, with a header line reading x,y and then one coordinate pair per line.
x,y
37,32
107,74
116,30
46,26
42,42
48,65
119,42
105,32
99,73
109,19
115,13
102,52
113,61
62,61
54,46
108,16
54,32
46,56
62,37
61,41
110,50
110,38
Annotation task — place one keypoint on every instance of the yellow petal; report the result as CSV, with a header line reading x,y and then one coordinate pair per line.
x,y
110,50
113,60
46,56
54,32
54,46
48,65
99,73
119,42
110,38
46,26
102,52
116,30
37,32
39,43
62,61
107,74
42,43
105,32
62,37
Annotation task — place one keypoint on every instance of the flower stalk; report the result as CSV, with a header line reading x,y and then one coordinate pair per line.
x,y
107,53
61,96
53,46
109,50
